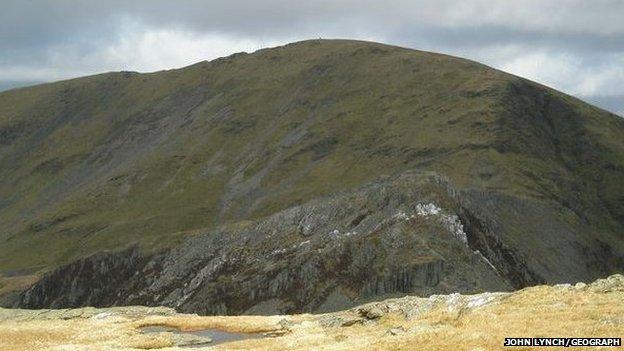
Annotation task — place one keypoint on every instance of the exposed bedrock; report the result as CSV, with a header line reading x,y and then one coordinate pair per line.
x,y
410,234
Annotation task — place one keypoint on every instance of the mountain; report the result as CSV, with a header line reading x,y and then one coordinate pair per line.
x,y
303,177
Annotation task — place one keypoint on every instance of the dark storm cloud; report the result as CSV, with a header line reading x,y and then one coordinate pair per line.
x,y
573,45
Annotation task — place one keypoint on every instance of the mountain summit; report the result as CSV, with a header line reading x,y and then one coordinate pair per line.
x,y
304,177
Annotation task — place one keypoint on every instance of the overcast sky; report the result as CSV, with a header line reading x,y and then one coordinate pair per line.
x,y
574,46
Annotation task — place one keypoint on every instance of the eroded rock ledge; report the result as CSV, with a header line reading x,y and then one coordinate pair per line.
x,y
414,233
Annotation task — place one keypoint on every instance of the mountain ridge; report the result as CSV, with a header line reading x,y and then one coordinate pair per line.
x,y
111,160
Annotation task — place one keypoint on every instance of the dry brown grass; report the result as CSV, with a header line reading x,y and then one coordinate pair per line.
x,y
238,324
448,323
534,312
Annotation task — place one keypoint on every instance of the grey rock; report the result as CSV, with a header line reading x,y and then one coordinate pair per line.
x,y
395,236
185,339
339,321
612,283
372,312
580,285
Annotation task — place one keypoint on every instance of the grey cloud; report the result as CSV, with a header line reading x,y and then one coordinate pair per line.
x,y
30,22
490,35
614,104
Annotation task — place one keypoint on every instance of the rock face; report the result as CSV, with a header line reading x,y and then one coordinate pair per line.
x,y
413,233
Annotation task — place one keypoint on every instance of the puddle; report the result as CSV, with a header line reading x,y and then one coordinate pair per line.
x,y
217,336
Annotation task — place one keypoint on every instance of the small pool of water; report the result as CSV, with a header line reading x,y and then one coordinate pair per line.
x,y
217,336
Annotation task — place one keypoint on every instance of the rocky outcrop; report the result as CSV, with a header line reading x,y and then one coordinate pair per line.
x,y
438,322
90,281
413,233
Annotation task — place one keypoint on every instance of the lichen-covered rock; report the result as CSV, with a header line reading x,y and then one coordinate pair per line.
x,y
371,312
609,284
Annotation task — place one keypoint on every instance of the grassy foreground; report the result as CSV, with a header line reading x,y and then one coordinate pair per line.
x,y
449,322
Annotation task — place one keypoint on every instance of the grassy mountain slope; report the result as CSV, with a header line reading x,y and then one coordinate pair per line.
x,y
104,161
